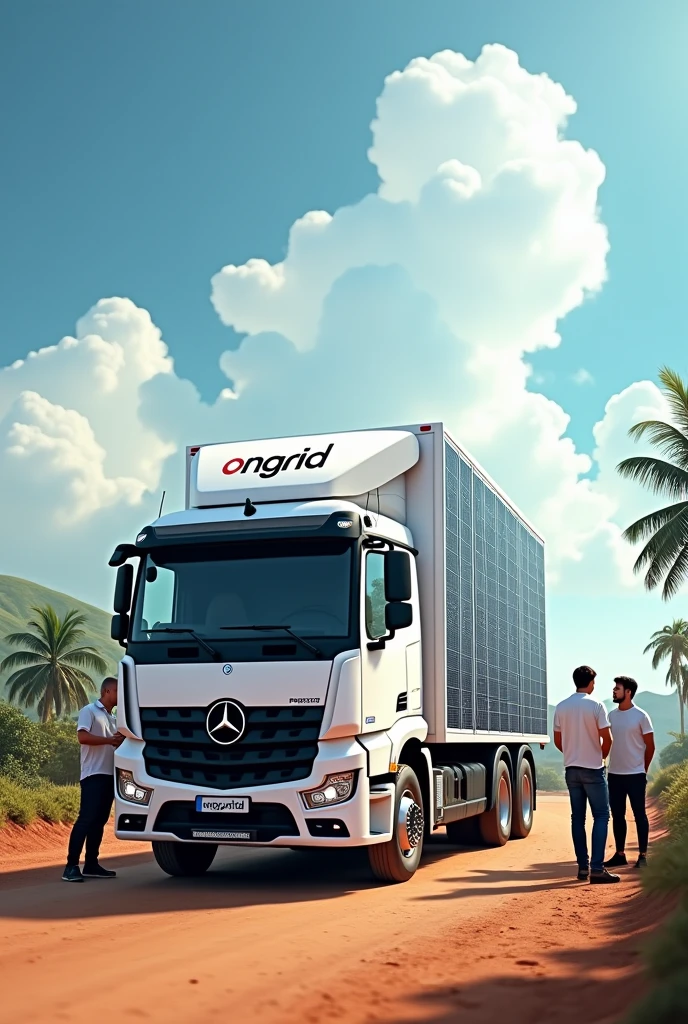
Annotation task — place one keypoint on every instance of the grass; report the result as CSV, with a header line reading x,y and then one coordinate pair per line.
x,y
45,802
667,954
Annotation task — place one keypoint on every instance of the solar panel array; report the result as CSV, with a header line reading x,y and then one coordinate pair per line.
x,y
495,579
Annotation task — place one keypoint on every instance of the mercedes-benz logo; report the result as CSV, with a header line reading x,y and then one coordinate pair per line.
x,y
225,722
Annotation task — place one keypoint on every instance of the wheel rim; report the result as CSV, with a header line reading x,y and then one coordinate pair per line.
x,y
409,824
526,798
504,804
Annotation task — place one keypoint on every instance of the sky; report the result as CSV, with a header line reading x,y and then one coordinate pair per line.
x,y
498,231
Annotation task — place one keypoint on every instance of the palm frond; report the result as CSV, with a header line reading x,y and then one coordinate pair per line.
x,y
676,575
85,657
658,475
671,441
27,684
30,640
21,658
649,524
676,395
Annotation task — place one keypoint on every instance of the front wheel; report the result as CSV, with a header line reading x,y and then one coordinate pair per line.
x,y
184,860
397,860
495,824
523,801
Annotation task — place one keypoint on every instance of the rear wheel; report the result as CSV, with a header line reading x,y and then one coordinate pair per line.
x,y
184,860
495,824
523,801
397,860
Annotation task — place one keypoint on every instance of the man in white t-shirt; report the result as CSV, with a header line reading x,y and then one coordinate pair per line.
x,y
581,732
98,737
631,756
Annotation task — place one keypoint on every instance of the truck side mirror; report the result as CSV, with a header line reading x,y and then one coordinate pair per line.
x,y
123,588
398,615
397,576
119,627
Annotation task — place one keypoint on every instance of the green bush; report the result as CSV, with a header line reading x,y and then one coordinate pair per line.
x,y
47,802
61,762
662,780
667,871
675,802
675,752
550,778
31,752
22,742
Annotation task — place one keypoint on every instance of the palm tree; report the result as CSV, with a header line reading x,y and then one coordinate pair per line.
x,y
50,668
665,554
671,643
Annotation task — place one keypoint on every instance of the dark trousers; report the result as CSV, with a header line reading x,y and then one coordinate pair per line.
x,y
633,787
97,795
588,786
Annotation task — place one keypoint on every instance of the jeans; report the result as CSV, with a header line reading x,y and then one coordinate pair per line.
x,y
633,787
97,796
588,785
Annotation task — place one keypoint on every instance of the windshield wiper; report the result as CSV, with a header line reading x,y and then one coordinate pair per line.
x,y
286,629
191,632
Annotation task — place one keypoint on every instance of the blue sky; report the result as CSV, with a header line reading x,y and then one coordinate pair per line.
x,y
150,145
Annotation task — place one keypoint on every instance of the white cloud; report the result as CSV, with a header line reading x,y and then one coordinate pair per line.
x,y
418,302
583,376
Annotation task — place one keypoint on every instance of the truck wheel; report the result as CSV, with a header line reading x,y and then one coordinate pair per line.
x,y
397,860
523,802
184,860
495,824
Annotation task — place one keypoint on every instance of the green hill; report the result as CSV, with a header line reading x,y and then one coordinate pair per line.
x,y
18,596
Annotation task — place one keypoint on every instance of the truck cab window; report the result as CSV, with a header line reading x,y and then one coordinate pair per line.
x,y
158,598
375,595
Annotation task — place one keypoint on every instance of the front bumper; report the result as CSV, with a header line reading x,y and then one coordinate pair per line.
x,y
277,814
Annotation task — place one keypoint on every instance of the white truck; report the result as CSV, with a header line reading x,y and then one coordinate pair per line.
x,y
339,642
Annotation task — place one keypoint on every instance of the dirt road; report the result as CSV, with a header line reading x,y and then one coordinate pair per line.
x,y
478,936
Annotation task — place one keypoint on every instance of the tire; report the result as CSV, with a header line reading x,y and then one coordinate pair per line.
x,y
397,859
184,860
463,832
495,824
522,821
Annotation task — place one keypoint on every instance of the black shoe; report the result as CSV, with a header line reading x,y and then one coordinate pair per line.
x,y
603,877
72,874
617,861
641,861
583,874
97,872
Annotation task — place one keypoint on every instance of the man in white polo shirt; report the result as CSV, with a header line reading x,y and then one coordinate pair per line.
x,y
581,732
630,760
98,737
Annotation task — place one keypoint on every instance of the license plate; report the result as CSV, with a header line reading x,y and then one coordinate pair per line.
x,y
223,834
223,804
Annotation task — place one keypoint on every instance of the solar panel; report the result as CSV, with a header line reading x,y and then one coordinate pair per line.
x,y
495,608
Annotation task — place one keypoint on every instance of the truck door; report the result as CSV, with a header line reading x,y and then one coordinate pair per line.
x,y
390,676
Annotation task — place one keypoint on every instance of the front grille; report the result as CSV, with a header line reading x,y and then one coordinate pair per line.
x,y
279,745
265,821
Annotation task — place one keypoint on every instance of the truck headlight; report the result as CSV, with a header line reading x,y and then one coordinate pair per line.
x,y
334,790
130,790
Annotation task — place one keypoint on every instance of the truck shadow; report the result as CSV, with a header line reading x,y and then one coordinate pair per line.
x,y
237,878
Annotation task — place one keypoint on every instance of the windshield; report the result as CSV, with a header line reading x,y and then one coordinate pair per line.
x,y
305,585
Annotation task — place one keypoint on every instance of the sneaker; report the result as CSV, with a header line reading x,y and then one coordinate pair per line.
x,y
98,872
72,874
603,877
617,861
583,874
641,861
